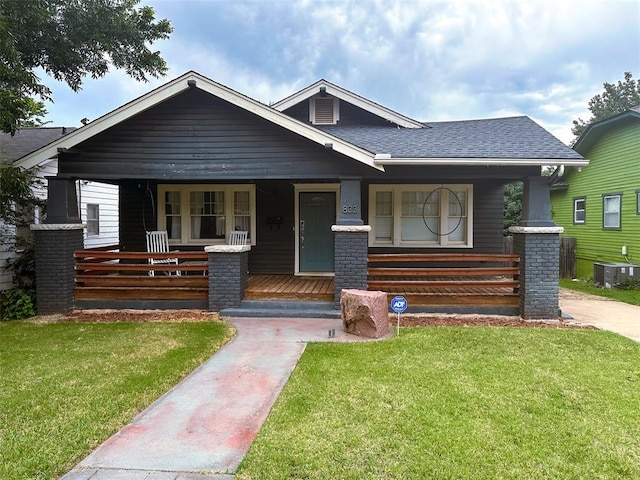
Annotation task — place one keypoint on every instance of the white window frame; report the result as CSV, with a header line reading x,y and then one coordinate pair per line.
x,y
312,110
606,197
441,241
185,190
94,221
576,210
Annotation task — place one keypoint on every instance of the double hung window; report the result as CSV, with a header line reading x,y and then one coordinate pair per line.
x,y
579,210
421,215
205,214
611,211
93,219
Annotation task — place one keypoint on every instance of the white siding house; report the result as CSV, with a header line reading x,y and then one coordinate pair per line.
x,y
98,202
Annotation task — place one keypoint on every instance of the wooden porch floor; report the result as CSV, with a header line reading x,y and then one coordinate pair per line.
x,y
289,287
299,288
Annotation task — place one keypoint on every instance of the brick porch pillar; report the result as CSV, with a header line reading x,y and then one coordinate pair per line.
x,y
56,240
537,240
351,240
351,249
228,275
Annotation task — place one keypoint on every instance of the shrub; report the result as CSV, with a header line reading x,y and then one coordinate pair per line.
x,y
17,304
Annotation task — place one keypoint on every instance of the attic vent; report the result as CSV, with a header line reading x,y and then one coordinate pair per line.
x,y
324,111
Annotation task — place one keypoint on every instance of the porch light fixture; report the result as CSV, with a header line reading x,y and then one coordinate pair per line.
x,y
328,146
323,91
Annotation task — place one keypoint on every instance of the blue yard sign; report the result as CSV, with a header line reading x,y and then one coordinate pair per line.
x,y
399,304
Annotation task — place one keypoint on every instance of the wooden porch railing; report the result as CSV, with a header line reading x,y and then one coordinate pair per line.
x,y
447,279
106,273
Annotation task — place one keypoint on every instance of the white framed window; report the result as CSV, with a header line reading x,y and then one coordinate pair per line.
x,y
579,210
611,211
421,215
324,110
206,214
93,219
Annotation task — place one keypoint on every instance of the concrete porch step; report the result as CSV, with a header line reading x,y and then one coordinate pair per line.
x,y
282,309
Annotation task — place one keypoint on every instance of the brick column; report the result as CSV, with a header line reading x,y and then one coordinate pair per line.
x,y
537,240
351,249
228,275
55,265
538,248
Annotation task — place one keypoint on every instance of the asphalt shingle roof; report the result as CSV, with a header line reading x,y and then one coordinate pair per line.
x,y
28,140
511,137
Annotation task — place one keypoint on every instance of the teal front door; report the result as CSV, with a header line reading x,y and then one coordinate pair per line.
x,y
317,215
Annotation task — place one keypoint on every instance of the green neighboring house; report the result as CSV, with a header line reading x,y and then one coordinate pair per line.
x,y
599,204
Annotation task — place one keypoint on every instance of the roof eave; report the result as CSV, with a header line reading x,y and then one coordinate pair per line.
x,y
584,140
386,160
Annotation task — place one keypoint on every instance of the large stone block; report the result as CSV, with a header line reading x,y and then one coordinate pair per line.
x,y
364,313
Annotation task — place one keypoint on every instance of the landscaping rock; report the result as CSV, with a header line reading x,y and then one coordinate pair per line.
x,y
364,313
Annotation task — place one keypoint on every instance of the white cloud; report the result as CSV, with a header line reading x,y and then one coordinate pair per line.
x,y
433,60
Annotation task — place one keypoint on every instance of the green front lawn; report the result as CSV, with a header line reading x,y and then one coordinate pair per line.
x,y
626,296
66,387
458,403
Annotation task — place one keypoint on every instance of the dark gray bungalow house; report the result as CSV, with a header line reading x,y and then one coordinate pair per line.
x,y
321,181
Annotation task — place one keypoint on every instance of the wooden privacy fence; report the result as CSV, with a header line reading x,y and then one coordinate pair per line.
x,y
109,274
447,279
567,257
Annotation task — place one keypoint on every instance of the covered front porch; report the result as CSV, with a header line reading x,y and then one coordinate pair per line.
x,y
111,278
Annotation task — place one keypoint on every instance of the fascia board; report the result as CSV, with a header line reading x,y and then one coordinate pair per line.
x,y
522,162
350,97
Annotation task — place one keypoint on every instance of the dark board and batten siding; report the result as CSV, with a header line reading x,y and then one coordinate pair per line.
x,y
195,136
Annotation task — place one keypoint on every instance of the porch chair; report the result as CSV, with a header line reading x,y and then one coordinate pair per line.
x,y
238,237
158,242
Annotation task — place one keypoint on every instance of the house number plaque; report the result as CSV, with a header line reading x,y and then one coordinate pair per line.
x,y
350,209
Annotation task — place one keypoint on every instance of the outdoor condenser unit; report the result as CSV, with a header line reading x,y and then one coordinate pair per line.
x,y
609,275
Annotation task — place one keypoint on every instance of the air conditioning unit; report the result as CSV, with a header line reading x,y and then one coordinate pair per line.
x,y
608,275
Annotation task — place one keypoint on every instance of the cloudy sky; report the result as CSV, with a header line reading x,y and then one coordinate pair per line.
x,y
431,60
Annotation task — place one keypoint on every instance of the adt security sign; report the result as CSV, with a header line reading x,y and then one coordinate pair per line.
x,y
399,304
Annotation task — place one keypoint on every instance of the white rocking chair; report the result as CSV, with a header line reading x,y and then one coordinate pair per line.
x,y
238,237
158,242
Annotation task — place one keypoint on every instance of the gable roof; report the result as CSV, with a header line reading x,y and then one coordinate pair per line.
x,y
29,139
188,80
347,96
596,129
497,141
502,141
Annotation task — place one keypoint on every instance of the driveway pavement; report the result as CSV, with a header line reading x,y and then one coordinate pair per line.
x,y
203,427
602,313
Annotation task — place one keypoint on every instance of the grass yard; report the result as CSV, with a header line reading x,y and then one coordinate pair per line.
x,y
66,387
458,403
626,296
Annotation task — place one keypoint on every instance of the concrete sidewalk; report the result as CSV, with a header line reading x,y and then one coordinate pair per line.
x,y
203,427
602,313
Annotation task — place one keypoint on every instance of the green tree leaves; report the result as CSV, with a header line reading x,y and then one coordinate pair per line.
x,y
616,98
70,40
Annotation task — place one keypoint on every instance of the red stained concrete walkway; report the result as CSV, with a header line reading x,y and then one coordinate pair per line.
x,y
203,427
